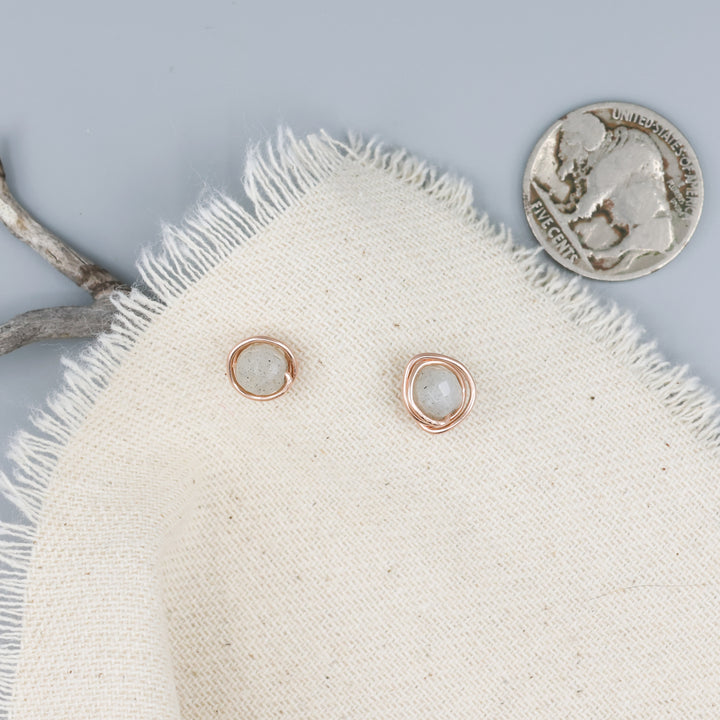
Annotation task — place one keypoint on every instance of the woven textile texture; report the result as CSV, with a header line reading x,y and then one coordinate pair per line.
x,y
187,553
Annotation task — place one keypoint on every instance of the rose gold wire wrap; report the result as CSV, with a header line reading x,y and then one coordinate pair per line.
x,y
260,339
467,384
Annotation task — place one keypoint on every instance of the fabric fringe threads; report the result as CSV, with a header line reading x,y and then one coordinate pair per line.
x,y
276,178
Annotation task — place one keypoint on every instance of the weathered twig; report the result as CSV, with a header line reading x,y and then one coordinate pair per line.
x,y
60,322
54,323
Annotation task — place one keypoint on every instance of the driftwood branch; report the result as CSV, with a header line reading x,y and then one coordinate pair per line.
x,y
60,322
54,323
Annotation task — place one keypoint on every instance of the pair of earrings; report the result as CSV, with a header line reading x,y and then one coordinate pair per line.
x,y
438,391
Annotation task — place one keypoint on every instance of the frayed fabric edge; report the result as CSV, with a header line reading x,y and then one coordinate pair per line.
x,y
277,177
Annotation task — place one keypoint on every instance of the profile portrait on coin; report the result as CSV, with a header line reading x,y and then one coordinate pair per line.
x,y
621,189
616,188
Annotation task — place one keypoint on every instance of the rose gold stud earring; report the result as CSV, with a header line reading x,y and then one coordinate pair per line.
x,y
438,392
261,368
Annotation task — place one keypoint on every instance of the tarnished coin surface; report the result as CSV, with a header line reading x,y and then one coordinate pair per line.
x,y
613,191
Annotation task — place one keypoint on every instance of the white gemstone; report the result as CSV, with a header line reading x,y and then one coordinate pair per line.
x,y
260,369
437,391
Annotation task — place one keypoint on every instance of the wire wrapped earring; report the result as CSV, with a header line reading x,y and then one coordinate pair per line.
x,y
261,368
438,392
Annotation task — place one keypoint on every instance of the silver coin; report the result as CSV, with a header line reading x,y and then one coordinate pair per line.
x,y
613,191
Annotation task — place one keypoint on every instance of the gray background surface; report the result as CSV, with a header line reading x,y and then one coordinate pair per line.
x,y
113,116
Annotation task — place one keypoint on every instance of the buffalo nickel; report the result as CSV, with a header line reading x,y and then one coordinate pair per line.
x,y
613,191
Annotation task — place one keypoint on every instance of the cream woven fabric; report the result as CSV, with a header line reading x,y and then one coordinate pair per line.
x,y
193,554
